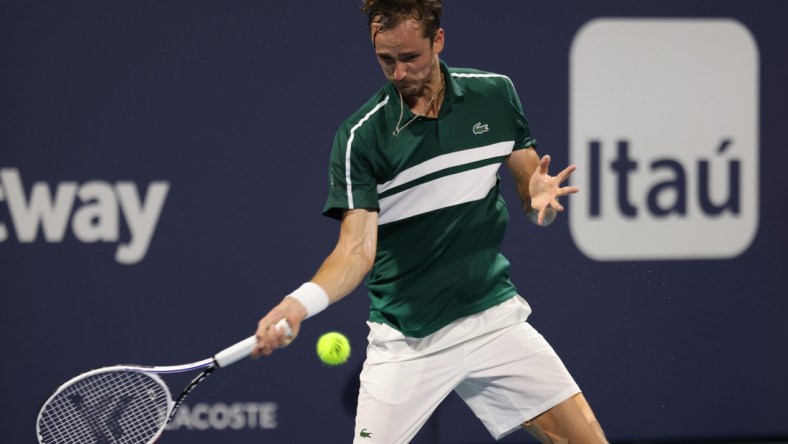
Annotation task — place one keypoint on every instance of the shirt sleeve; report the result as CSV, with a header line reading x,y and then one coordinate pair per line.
x,y
351,177
522,128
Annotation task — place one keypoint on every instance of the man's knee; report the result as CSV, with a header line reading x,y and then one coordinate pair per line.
x,y
571,421
557,435
544,435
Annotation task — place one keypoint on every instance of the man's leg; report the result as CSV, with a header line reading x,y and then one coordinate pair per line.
x,y
572,421
402,383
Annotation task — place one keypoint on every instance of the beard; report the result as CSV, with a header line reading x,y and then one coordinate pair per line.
x,y
409,88
412,88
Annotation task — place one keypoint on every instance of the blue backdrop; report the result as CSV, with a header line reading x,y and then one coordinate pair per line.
x,y
162,170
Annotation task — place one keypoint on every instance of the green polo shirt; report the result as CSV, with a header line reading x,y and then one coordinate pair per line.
x,y
436,186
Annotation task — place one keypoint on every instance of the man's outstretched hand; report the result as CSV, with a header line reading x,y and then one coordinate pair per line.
x,y
546,189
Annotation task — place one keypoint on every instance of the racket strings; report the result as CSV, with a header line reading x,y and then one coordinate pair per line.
x,y
118,406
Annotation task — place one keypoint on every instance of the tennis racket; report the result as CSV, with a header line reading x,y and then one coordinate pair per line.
x,y
125,403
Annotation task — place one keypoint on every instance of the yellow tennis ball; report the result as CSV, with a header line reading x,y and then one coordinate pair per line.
x,y
333,348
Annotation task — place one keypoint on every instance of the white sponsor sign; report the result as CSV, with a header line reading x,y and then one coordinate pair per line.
x,y
95,210
664,129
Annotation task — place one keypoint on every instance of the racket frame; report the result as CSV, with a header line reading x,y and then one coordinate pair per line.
x,y
224,358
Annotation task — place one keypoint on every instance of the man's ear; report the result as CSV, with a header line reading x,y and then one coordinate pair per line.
x,y
437,44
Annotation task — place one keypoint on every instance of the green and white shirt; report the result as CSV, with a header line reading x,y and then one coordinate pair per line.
x,y
435,184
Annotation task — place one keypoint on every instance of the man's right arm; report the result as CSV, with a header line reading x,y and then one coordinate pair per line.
x,y
341,272
352,258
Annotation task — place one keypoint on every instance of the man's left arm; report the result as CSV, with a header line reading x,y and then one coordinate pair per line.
x,y
538,191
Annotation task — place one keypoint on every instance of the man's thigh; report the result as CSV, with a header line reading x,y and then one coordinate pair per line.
x,y
514,375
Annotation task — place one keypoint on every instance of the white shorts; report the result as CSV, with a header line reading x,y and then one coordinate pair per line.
x,y
502,368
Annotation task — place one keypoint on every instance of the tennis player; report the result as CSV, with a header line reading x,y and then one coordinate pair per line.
x,y
414,182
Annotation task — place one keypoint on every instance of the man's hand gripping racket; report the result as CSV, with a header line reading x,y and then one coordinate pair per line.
x,y
126,403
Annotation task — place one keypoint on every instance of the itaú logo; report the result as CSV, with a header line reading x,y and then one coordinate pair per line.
x,y
95,210
664,129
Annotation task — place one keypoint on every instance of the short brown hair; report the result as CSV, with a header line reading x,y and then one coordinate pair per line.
x,y
389,13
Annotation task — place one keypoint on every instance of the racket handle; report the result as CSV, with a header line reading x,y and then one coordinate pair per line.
x,y
284,326
236,352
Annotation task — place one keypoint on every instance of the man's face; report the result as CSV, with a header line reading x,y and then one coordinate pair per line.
x,y
406,56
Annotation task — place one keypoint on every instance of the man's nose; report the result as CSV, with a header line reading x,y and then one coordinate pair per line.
x,y
399,71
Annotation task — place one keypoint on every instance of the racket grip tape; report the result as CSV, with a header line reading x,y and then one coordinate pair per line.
x,y
236,352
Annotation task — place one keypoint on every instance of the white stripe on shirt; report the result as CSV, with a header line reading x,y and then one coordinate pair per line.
x,y
350,145
455,189
449,160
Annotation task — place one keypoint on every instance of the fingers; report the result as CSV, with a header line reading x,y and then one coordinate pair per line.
x,y
275,331
554,204
544,164
563,191
270,336
545,190
279,327
564,175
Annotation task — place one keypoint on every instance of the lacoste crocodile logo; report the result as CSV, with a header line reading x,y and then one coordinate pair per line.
x,y
480,128
365,434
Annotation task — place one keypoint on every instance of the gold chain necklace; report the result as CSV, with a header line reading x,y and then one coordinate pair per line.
x,y
399,129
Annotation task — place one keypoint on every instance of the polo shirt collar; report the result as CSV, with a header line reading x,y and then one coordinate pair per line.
x,y
453,88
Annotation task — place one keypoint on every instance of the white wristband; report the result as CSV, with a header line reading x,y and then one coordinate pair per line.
x,y
312,297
